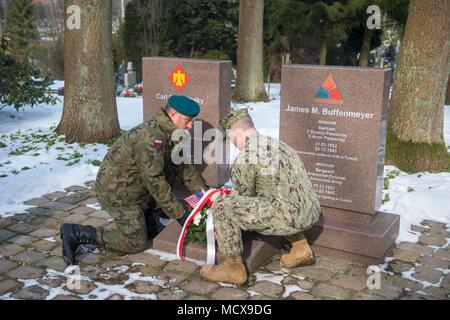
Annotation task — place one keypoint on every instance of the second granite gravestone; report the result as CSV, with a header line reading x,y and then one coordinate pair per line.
x,y
335,117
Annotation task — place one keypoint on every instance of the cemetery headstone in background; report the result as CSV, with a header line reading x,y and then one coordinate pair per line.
x,y
130,76
335,117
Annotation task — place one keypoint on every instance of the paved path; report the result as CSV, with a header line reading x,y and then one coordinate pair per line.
x,y
31,266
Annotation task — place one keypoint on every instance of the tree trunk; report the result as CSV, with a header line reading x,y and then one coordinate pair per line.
x,y
155,25
250,77
323,52
416,113
447,99
90,110
365,48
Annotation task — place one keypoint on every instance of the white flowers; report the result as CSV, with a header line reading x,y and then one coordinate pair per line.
x,y
201,217
197,219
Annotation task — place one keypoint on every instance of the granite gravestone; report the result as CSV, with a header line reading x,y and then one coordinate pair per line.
x,y
130,76
207,82
335,117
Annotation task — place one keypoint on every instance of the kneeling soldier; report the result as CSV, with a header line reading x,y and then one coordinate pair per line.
x,y
272,195
132,184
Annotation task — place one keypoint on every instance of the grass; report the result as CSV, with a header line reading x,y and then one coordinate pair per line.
x,y
390,175
31,141
386,198
74,158
49,144
71,163
386,183
447,168
111,141
22,150
96,163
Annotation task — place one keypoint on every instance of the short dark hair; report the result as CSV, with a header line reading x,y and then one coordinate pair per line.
x,y
168,108
245,123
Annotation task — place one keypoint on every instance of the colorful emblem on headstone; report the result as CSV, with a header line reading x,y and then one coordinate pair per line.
x,y
328,92
179,78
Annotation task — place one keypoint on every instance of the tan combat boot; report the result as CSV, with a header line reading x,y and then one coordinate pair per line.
x,y
300,254
232,270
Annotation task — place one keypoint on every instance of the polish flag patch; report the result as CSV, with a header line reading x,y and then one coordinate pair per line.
x,y
158,143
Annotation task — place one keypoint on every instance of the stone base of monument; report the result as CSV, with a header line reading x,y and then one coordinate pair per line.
x,y
354,236
258,249
349,256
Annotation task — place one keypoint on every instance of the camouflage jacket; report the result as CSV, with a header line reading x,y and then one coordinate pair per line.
x,y
271,169
139,163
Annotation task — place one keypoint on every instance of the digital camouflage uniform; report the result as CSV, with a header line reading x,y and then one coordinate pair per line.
x,y
134,172
272,195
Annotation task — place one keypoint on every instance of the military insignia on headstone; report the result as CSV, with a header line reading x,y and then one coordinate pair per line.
x,y
179,78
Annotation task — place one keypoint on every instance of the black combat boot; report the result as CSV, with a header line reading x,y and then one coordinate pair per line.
x,y
154,230
74,235
154,227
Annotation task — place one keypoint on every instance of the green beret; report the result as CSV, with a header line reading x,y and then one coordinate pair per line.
x,y
233,117
184,105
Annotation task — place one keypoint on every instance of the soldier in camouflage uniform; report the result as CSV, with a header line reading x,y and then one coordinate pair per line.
x,y
133,180
272,195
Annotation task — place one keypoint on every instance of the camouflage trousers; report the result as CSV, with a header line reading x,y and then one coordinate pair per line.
x,y
233,214
129,233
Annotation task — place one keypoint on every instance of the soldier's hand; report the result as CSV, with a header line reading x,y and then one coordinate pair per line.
x,y
215,196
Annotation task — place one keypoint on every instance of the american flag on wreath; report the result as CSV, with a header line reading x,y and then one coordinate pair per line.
x,y
192,200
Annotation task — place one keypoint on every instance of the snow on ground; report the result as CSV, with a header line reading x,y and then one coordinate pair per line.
x,y
291,289
277,279
165,256
416,197
420,196
101,292
129,109
36,161
447,125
